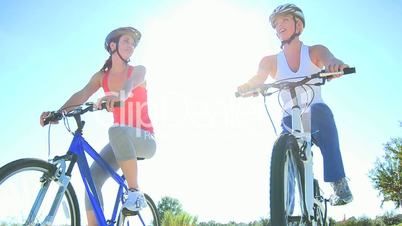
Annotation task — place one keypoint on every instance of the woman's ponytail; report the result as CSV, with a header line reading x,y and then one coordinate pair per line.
x,y
107,65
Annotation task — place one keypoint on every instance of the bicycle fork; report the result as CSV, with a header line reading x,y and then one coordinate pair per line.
x,y
304,141
308,198
60,176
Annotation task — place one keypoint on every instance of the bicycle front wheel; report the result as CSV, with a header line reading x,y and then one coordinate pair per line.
x,y
145,217
28,190
284,175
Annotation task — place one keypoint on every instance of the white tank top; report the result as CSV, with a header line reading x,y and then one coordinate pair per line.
x,y
306,68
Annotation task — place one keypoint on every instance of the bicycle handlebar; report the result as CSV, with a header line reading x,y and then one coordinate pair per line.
x,y
285,84
89,106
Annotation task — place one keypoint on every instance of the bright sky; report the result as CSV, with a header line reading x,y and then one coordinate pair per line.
x,y
213,149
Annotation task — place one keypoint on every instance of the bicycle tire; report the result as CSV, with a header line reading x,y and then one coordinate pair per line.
x,y
150,213
11,176
284,145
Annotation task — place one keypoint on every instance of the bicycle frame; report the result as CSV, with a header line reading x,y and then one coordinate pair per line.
x,y
76,154
78,147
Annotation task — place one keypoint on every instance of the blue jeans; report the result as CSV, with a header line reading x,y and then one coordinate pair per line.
x,y
322,120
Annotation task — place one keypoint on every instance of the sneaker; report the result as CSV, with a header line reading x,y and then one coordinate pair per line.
x,y
342,195
135,200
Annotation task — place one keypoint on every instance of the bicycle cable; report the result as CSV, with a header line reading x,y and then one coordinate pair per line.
x,y
287,79
71,106
269,115
280,104
283,108
313,95
67,126
48,141
307,99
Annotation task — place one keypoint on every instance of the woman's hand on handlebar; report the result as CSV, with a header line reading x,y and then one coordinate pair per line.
x,y
110,101
44,116
245,88
335,65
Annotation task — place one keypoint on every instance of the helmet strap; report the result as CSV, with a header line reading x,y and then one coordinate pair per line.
x,y
292,37
284,42
125,61
118,53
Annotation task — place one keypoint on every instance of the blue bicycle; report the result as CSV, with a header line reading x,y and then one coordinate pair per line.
x,y
36,192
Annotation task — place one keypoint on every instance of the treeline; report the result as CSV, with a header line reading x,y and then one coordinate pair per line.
x,y
172,214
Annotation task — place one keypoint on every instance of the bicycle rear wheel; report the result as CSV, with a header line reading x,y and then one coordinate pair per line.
x,y
145,217
20,183
284,175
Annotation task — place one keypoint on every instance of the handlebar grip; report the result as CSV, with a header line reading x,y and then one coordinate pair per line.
x,y
47,121
246,94
116,105
52,117
349,70
324,74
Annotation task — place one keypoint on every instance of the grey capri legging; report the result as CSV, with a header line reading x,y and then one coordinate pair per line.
x,y
126,143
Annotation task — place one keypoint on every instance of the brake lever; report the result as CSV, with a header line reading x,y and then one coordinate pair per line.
x,y
266,94
73,112
91,106
323,80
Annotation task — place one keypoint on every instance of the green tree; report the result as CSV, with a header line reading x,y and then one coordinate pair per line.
x,y
169,204
391,218
331,221
387,173
179,219
264,222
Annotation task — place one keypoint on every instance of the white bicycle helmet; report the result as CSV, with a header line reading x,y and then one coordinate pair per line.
x,y
115,35
286,9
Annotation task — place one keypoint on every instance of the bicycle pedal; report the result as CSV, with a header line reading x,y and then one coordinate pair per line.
x,y
126,212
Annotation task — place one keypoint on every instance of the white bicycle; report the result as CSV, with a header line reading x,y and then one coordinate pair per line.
x,y
292,178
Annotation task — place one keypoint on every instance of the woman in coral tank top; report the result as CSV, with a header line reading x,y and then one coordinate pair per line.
x,y
131,136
